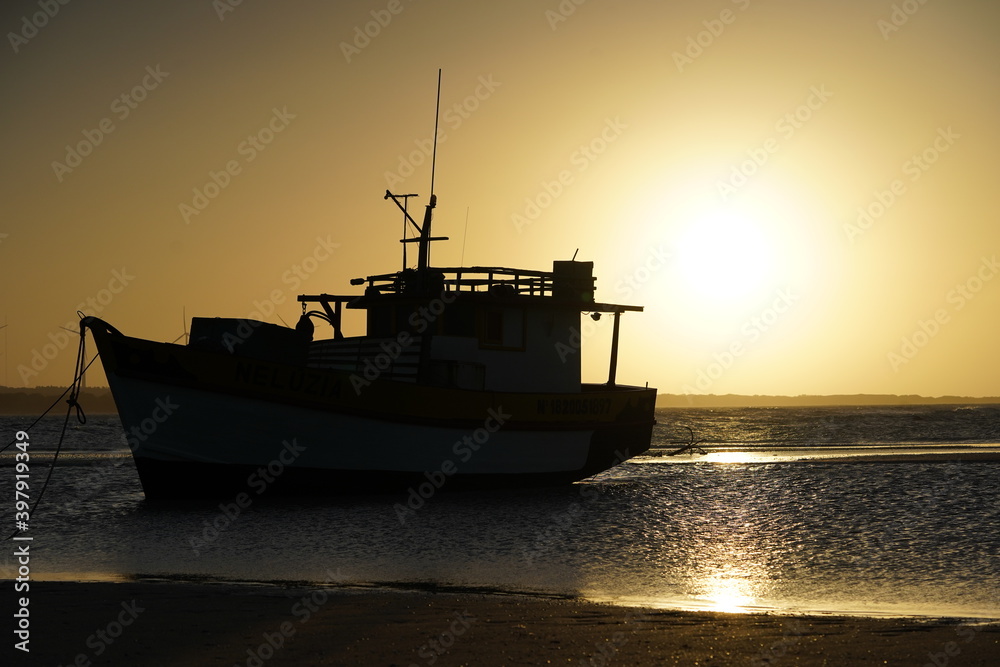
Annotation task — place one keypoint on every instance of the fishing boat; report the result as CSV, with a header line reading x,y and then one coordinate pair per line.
x,y
465,377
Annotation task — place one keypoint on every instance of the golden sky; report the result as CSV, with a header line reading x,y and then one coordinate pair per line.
x,y
801,193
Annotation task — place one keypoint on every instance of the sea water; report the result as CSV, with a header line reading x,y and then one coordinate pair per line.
x,y
759,522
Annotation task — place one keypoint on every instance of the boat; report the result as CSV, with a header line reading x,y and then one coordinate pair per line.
x,y
464,378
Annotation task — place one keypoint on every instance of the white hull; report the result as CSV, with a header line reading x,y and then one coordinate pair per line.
x,y
221,429
204,423
190,442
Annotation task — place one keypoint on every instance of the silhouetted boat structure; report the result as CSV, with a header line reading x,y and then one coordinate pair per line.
x,y
468,377
465,375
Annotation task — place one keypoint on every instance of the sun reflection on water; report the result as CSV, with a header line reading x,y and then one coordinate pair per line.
x,y
731,457
730,591
731,573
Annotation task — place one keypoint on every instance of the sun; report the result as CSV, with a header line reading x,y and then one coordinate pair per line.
x,y
725,257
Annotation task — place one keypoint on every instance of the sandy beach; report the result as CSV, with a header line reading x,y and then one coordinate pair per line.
x,y
956,457
140,623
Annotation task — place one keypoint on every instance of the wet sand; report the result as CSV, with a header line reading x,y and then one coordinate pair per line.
x,y
915,457
141,623
946,454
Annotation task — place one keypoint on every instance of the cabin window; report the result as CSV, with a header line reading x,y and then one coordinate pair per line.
x,y
493,330
459,320
502,328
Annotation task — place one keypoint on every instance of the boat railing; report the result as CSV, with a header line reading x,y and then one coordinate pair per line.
x,y
379,357
521,282
530,283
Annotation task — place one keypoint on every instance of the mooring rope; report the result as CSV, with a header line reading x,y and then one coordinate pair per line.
x,y
74,392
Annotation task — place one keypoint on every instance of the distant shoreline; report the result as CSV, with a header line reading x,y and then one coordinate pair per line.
x,y
844,400
32,401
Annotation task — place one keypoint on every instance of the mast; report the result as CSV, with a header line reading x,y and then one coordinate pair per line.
x,y
424,253
424,237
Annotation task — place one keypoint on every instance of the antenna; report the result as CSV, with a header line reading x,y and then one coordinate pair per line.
x,y
437,115
465,236
424,240
424,247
